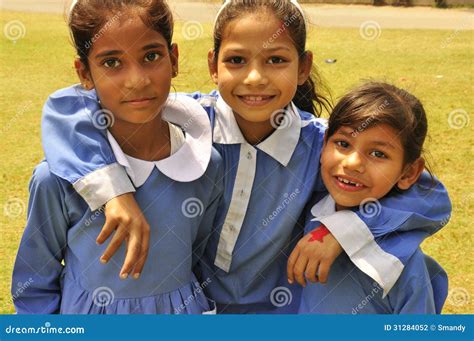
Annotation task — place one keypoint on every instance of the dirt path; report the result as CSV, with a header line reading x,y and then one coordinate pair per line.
x,y
320,15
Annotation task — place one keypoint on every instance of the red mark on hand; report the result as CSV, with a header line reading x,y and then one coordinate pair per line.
x,y
318,233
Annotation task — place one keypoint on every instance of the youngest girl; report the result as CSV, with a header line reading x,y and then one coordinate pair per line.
x,y
172,170
372,150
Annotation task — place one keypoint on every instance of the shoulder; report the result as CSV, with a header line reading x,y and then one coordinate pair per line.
x,y
44,181
216,163
72,99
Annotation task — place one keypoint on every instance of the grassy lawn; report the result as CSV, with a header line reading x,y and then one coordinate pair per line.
x,y
435,65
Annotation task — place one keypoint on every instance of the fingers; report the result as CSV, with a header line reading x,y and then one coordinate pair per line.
x,y
300,268
323,271
132,256
144,252
109,227
311,271
114,245
291,264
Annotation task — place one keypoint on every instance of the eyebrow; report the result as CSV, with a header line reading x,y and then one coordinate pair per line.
x,y
348,134
242,50
116,52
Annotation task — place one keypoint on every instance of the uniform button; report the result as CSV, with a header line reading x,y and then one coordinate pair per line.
x,y
249,155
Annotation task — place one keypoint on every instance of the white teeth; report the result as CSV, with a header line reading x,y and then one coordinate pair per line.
x,y
254,98
349,182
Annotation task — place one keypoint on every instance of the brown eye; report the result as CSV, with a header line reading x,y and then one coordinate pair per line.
x,y
378,154
111,63
152,56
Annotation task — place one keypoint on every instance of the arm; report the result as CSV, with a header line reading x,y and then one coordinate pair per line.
x,y
414,293
37,270
77,150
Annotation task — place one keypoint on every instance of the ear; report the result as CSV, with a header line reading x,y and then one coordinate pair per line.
x,y
83,74
304,70
411,174
174,55
212,63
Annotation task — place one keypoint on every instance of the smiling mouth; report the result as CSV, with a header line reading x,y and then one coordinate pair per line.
x,y
256,100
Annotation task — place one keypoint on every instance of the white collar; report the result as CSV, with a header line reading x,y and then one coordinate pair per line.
x,y
280,145
325,207
191,160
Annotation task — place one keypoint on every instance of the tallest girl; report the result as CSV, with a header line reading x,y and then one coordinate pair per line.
x,y
264,126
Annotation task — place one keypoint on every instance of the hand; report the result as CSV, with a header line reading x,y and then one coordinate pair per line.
x,y
124,216
313,256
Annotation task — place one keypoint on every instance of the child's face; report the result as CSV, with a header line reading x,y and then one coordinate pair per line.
x,y
371,161
258,67
131,68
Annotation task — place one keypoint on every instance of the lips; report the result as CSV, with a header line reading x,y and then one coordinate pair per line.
x,y
256,100
140,102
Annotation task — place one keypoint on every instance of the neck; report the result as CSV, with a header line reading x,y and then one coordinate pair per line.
x,y
146,141
254,132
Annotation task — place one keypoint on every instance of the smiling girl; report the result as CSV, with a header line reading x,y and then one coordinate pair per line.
x,y
373,150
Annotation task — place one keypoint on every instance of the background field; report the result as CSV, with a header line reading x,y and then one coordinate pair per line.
x,y
437,66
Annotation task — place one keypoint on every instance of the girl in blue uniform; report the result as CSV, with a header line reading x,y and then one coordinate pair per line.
x,y
171,171
264,126
373,150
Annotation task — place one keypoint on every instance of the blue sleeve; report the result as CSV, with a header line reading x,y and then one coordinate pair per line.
x,y
76,147
38,267
425,207
73,131
414,293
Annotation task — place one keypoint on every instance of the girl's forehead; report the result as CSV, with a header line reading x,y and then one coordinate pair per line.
x,y
260,30
125,34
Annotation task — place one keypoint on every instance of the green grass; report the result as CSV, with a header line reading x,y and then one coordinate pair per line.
x,y
42,61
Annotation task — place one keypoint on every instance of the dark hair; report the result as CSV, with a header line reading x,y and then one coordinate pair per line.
x,y
89,18
310,96
375,103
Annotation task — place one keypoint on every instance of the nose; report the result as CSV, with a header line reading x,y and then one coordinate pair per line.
x,y
355,162
255,76
137,77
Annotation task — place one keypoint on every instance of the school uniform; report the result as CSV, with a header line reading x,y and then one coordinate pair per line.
x,y
266,189
421,288
58,255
